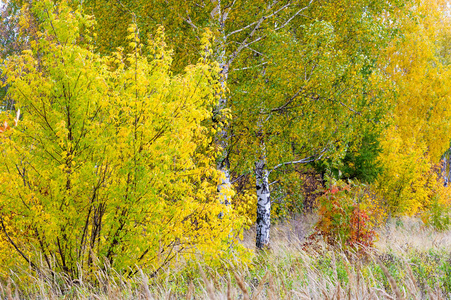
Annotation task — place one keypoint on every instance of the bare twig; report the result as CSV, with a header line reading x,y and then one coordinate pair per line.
x,y
251,67
258,23
294,15
301,161
289,101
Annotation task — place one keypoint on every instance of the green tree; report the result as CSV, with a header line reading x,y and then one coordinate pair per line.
x,y
237,25
315,90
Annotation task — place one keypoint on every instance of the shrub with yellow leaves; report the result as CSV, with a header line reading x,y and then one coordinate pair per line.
x,y
113,158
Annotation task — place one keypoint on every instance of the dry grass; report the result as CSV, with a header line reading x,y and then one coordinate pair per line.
x,y
409,262
409,233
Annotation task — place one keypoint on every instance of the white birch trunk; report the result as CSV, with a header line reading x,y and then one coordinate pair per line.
x,y
263,205
223,137
445,170
224,187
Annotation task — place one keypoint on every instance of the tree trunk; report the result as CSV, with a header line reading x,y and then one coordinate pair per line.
x,y
222,136
224,186
446,167
223,141
444,170
263,205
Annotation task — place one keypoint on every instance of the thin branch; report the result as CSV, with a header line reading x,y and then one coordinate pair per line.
x,y
190,22
53,28
253,50
238,178
245,43
278,199
289,100
350,108
231,5
301,161
17,248
123,7
261,19
340,102
241,29
251,67
295,15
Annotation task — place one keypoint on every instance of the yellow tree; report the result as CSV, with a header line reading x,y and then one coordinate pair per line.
x,y
421,120
113,158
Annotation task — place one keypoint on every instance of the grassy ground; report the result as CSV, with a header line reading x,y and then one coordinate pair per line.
x,y
409,261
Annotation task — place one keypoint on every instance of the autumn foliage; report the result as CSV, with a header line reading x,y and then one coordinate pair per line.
x,y
343,220
133,114
113,158
419,125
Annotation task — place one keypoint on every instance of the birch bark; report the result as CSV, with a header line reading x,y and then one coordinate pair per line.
x,y
263,204
223,138
220,14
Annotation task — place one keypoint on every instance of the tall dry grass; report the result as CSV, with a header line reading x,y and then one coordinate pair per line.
x,y
408,262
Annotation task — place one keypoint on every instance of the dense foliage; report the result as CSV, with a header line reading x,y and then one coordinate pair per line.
x,y
113,156
343,220
141,121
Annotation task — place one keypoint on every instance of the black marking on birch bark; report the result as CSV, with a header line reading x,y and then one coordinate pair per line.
x,y
263,205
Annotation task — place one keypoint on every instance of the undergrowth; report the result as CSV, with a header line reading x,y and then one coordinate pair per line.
x,y
393,269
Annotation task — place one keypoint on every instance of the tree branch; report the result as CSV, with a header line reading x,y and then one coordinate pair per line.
x,y
293,16
340,102
289,101
17,248
253,50
301,161
251,67
258,23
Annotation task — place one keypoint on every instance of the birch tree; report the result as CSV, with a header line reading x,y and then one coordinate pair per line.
x,y
238,26
316,95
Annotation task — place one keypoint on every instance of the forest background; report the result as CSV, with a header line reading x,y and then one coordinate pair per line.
x,y
139,133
